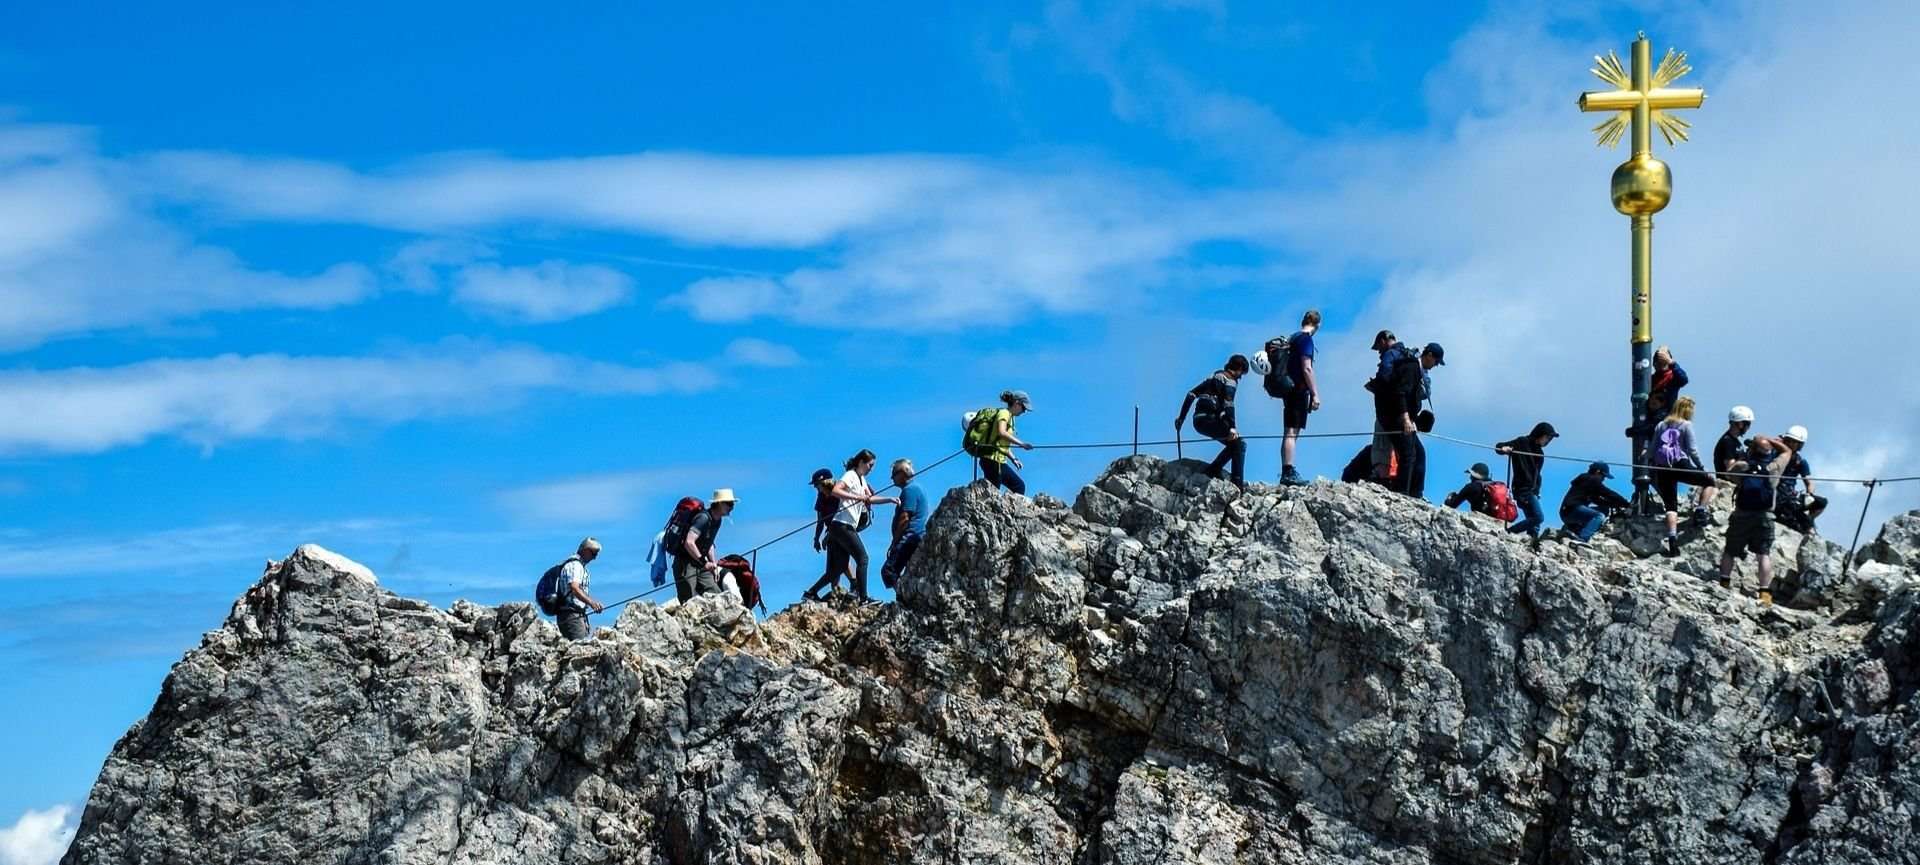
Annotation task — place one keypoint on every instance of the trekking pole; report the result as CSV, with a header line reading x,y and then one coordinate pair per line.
x,y
1179,449
1847,566
1136,430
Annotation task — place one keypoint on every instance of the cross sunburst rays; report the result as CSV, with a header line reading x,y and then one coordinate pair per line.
x,y
1609,69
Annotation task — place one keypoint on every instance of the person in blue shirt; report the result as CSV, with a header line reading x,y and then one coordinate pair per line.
x,y
1305,397
909,523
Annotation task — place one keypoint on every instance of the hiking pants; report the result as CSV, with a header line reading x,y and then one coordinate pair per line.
x,y
1391,445
898,555
1002,475
843,546
690,578
573,624
1231,450
1529,505
1584,521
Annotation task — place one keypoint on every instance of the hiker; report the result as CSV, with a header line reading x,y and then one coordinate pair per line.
x,y
1474,494
1289,378
1794,509
566,592
844,528
1750,529
1526,456
1213,417
1588,501
990,440
909,524
825,505
695,570
1668,379
1399,387
1727,450
657,559
1676,461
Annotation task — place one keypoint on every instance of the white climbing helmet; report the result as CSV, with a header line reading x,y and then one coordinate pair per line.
x,y
1796,433
1258,361
1740,414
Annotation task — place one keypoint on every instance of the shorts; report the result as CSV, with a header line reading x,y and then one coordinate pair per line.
x,y
1294,409
1667,481
1749,531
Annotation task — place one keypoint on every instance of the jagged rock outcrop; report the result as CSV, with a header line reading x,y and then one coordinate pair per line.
x,y
1170,670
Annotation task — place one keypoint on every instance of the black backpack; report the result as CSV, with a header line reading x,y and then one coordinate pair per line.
x,y
1756,489
548,593
1278,383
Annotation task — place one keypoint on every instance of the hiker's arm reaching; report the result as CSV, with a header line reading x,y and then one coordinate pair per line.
x,y
585,598
1185,405
1004,429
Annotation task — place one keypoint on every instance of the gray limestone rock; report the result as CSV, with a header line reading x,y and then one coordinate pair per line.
x,y
1168,670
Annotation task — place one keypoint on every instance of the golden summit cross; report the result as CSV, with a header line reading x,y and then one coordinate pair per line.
x,y
1640,102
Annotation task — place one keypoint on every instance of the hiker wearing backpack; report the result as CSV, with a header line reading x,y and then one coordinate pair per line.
x,y
844,528
690,535
909,524
1750,529
1288,377
1399,387
1588,501
1668,379
1479,494
562,592
1212,404
1526,456
1792,508
825,505
990,439
1676,461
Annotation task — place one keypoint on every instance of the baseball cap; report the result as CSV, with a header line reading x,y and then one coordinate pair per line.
x,y
1600,469
1020,396
820,475
1480,471
1439,354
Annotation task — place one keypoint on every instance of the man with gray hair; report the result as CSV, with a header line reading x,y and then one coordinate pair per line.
x,y
909,523
575,602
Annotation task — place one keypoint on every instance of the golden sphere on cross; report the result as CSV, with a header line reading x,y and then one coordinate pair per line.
x,y
1642,186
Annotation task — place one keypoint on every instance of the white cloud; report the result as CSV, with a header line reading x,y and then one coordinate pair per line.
x,y
38,837
606,497
748,351
211,400
177,549
78,254
550,291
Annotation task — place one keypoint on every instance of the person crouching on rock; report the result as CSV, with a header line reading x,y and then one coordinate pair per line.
x,y
1212,405
1474,494
572,616
1588,500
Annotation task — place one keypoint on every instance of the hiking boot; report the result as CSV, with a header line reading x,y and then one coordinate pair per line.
x,y
1292,478
1670,546
1702,517
1765,597
810,595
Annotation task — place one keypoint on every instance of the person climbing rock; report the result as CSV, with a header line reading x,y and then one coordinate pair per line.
x,y
1588,501
1526,456
1794,508
1474,493
852,518
1213,416
990,439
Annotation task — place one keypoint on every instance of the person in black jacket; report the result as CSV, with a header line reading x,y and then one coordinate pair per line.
x,y
1399,387
1474,494
1588,501
1214,417
1525,458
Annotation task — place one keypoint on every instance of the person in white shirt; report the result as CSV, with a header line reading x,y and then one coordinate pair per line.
x,y
574,580
843,531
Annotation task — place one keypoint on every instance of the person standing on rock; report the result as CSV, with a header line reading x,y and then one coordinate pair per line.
x,y
1750,529
825,505
1526,456
853,517
695,570
1676,461
909,524
1399,387
574,580
1213,416
1726,451
1302,400
997,462
1588,501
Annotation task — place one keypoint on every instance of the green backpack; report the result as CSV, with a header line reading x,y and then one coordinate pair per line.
x,y
979,437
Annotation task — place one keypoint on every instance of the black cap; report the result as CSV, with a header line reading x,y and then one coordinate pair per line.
x,y
1480,471
1543,429
820,475
1439,354
1600,469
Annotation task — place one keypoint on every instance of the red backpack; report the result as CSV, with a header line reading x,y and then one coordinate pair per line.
x,y
1504,509
743,576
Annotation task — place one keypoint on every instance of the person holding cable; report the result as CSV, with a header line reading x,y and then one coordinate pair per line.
x,y
852,518
1213,417
695,570
990,439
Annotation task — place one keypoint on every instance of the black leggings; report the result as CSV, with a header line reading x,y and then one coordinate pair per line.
x,y
1232,451
843,546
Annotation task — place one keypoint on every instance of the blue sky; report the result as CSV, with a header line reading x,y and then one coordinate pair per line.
x,y
445,288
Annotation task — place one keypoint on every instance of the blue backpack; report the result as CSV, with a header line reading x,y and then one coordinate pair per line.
x,y
547,593
1755,492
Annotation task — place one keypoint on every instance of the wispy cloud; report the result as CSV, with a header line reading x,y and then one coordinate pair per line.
x,y
79,254
749,351
212,400
550,291
38,837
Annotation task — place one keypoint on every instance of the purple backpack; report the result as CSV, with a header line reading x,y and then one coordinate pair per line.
x,y
1670,452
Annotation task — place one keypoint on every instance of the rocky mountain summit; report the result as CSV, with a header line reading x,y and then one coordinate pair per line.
x,y
1168,670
